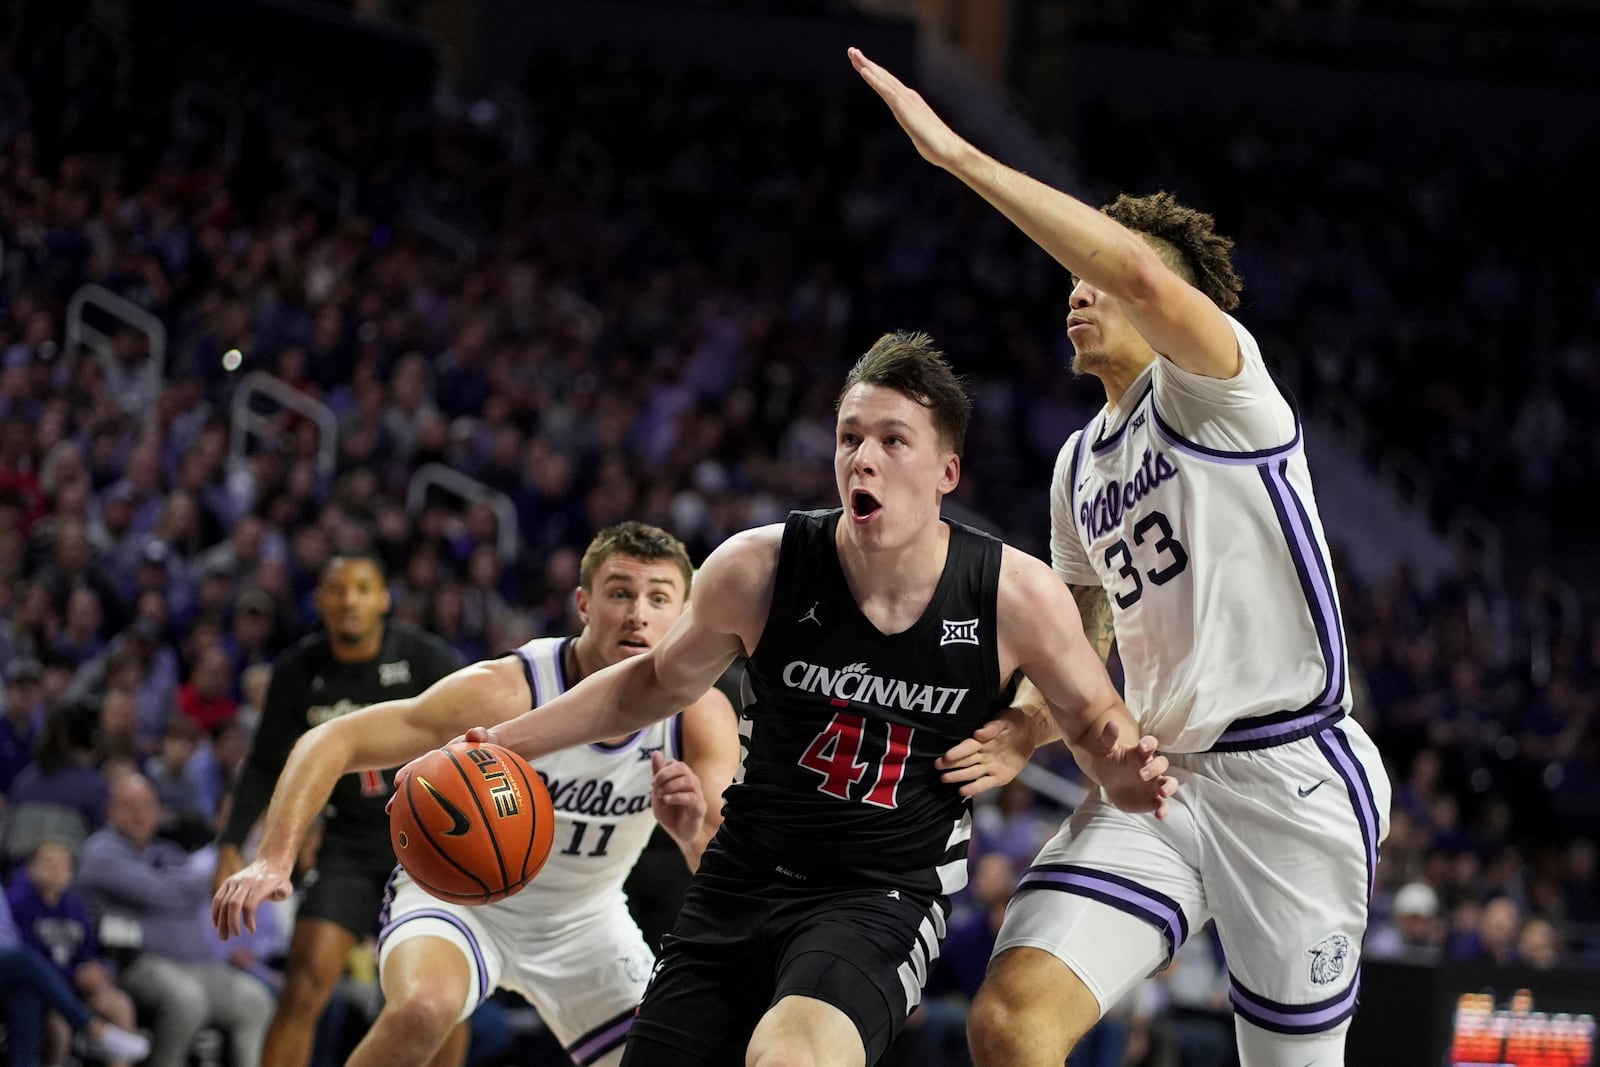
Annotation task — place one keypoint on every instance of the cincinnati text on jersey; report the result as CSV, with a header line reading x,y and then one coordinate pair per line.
x,y
321,713
857,682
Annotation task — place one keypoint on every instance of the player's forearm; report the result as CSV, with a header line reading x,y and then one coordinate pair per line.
x,y
1078,738
1031,706
616,701
313,768
1080,238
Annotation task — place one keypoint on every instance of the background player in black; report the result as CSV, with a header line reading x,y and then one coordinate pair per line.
x,y
358,658
806,934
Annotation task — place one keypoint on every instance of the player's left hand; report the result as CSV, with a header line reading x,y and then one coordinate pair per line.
x,y
994,754
676,797
1134,776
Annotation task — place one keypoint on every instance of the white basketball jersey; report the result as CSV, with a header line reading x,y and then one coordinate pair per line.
x,y
1191,503
601,794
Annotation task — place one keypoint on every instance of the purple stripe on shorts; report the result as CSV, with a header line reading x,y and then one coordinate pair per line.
x,y
1337,748
1294,1018
602,1039
1121,893
1244,735
453,920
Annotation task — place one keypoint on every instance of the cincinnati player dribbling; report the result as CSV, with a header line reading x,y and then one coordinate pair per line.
x,y
879,636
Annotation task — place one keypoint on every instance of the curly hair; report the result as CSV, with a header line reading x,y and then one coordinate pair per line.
x,y
1185,240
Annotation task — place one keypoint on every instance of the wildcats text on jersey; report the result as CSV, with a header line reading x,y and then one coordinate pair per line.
x,y
594,798
857,682
1103,512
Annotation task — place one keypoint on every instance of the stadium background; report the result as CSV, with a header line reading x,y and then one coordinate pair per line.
x,y
466,281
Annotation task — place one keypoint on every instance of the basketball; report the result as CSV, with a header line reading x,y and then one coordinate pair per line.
x,y
471,823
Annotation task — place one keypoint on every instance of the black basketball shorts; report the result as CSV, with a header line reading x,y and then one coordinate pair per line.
x,y
348,889
744,941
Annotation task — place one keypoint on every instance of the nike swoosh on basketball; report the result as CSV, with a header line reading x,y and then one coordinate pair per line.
x,y
1306,791
459,824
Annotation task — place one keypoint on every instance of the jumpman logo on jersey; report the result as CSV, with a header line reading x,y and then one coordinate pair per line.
x,y
811,615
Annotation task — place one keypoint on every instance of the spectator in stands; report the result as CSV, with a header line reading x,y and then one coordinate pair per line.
x,y
205,698
29,985
63,770
1414,933
55,923
127,872
23,720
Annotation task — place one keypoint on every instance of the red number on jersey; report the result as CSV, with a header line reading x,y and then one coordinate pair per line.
x,y
834,754
372,784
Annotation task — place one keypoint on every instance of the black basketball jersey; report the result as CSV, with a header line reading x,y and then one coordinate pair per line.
x,y
309,687
841,723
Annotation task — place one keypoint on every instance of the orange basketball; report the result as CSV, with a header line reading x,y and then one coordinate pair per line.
x,y
471,823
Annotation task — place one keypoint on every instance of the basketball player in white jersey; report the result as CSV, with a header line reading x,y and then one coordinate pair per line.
x,y
566,942
1183,519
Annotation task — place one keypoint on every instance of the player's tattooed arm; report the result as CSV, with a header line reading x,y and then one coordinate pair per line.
x,y
1095,608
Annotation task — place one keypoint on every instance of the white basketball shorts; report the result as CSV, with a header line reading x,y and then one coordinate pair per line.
x,y
584,978
1276,840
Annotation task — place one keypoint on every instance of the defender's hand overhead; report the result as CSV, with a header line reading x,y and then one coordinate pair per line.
x,y
935,140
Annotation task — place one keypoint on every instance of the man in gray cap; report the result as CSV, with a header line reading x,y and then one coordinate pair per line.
x,y
1414,932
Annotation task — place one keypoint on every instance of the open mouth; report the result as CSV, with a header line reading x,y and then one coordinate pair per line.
x,y
863,505
634,644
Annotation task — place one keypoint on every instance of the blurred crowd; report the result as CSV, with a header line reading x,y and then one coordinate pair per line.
x,y
618,292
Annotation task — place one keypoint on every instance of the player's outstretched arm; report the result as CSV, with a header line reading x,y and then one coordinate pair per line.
x,y
687,794
1178,321
1041,633
723,619
377,736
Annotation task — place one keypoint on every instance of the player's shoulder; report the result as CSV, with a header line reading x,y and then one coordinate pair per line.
x,y
313,646
414,641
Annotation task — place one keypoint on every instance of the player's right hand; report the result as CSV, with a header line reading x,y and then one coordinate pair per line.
x,y
233,908
229,862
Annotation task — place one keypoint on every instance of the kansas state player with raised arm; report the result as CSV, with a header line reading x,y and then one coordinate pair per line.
x,y
1183,519
880,638
566,942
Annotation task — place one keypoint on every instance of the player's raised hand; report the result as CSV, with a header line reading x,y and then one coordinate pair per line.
x,y
1134,776
994,754
935,140
676,797
233,909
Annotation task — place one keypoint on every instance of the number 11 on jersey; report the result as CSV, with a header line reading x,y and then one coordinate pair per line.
x,y
834,753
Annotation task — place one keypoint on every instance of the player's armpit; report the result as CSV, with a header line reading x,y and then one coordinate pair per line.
x,y
1095,609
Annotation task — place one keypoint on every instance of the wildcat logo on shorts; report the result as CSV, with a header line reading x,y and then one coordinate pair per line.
x,y
1327,958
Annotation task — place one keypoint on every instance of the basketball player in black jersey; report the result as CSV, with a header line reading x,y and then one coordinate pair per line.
x,y
880,638
358,658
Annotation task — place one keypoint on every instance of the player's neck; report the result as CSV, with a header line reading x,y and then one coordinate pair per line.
x,y
906,573
1118,376
361,651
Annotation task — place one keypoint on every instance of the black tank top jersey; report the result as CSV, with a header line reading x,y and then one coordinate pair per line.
x,y
319,688
842,723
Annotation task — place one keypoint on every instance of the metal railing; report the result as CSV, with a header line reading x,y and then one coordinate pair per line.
x,y
464,487
246,422
80,331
